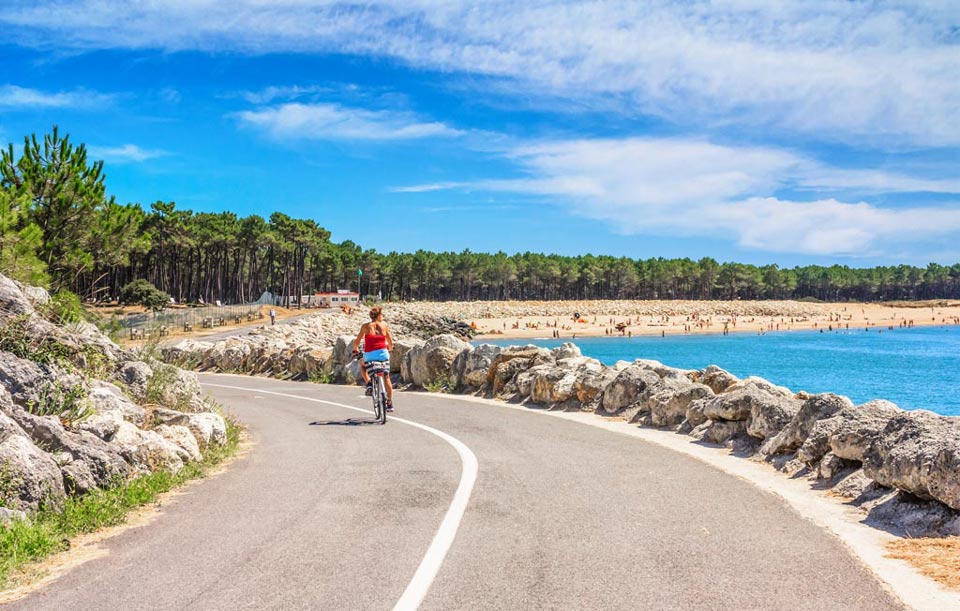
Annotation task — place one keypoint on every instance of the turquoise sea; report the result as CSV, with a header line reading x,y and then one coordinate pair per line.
x,y
915,368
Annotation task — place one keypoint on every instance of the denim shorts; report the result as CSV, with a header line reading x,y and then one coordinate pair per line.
x,y
377,355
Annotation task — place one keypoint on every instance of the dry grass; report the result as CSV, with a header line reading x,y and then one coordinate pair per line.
x,y
938,559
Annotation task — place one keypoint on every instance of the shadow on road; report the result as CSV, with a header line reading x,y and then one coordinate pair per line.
x,y
347,422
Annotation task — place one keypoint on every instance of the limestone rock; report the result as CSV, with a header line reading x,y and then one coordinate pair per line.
x,y
511,361
306,360
103,424
717,379
914,515
475,364
566,350
764,385
234,354
435,359
101,464
343,349
183,438
12,300
848,433
859,428
720,432
8,515
669,403
524,379
695,416
737,403
831,465
817,407
506,373
136,374
36,295
181,389
107,397
31,478
918,452
590,384
627,387
147,451
208,428
770,414
400,349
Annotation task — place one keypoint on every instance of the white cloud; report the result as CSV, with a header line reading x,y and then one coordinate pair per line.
x,y
124,154
335,122
290,92
884,73
699,188
12,96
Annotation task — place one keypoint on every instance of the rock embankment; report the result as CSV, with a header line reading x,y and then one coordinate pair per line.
x,y
78,413
901,467
303,348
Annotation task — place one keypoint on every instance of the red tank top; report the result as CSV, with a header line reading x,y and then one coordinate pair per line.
x,y
373,342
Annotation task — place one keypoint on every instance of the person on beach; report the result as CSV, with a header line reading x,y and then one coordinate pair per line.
x,y
377,344
273,317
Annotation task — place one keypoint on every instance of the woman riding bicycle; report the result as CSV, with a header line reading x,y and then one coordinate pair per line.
x,y
377,343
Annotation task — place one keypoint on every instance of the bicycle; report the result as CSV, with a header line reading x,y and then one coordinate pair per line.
x,y
377,370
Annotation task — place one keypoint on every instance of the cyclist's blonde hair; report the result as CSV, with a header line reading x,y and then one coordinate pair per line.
x,y
375,313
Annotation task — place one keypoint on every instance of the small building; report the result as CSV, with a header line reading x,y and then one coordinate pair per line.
x,y
335,300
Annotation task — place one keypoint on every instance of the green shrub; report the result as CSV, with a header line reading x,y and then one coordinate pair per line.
x,y
444,383
71,405
63,308
18,339
320,377
142,292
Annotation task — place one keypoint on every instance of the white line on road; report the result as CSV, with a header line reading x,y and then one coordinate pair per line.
x,y
430,565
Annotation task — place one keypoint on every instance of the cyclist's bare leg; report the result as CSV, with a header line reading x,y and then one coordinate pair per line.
x,y
363,373
389,386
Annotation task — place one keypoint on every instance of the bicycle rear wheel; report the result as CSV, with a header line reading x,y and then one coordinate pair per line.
x,y
381,392
378,406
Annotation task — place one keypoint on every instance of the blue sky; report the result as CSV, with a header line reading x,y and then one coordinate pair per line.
x,y
758,131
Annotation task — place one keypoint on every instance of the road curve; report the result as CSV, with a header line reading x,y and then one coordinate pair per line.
x,y
327,512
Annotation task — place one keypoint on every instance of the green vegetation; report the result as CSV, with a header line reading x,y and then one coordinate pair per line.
x,y
56,219
49,530
64,308
69,403
443,383
142,292
320,377
17,338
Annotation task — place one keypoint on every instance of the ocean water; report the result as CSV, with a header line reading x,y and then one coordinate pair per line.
x,y
915,368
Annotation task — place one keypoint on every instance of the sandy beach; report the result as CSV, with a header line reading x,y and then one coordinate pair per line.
x,y
533,320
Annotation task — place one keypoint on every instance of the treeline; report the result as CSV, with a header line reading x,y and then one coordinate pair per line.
x,y
58,226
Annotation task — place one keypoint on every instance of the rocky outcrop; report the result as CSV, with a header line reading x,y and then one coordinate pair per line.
x,y
717,379
207,428
71,413
918,452
473,365
29,477
849,433
627,388
434,360
817,407
669,403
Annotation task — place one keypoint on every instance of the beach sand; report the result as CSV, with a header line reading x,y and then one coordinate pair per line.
x,y
520,320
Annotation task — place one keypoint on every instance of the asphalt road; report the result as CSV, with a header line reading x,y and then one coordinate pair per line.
x,y
327,512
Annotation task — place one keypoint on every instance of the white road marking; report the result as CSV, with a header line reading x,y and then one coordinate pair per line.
x,y
433,559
